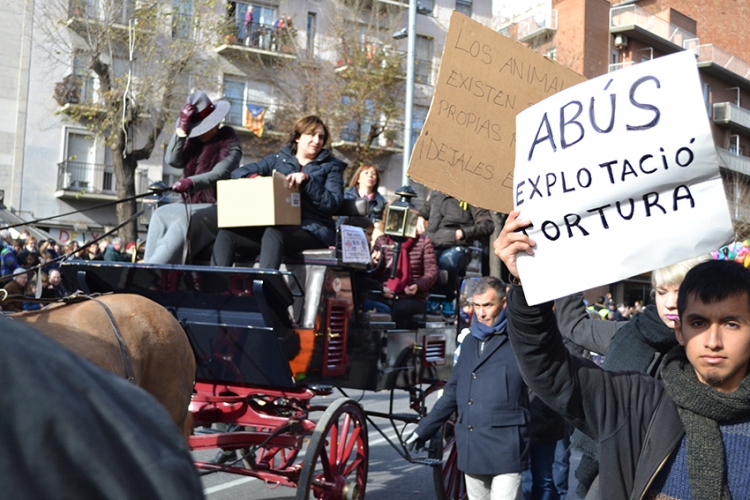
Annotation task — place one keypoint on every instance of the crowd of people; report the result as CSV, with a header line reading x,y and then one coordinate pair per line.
x,y
29,266
665,416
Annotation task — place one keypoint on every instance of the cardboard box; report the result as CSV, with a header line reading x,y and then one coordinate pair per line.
x,y
261,201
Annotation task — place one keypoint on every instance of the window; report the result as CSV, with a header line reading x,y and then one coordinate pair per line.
x,y
734,145
239,93
86,83
81,169
418,117
615,56
254,29
423,63
182,18
707,97
464,7
310,30
368,118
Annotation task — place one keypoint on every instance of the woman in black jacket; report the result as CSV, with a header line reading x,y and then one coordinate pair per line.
x,y
319,177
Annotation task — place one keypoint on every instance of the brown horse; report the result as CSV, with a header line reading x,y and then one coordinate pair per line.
x,y
160,355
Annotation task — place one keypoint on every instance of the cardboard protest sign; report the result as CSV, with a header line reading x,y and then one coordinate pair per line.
x,y
466,147
618,175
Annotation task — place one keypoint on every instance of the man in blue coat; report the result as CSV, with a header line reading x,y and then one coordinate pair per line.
x,y
487,391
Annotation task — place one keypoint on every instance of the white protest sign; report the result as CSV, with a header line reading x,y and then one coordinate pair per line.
x,y
618,176
354,246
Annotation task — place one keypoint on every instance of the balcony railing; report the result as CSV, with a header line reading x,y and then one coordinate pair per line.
x,y
622,65
733,162
538,23
75,89
115,11
733,116
632,15
83,177
263,37
720,57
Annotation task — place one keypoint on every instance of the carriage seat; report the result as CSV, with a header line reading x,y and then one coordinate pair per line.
x,y
426,320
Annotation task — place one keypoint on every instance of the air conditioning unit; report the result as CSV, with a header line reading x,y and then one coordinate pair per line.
x,y
621,41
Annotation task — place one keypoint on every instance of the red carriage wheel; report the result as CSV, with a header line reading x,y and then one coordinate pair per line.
x,y
449,481
335,466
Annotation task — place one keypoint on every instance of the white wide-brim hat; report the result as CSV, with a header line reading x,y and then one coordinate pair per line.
x,y
207,114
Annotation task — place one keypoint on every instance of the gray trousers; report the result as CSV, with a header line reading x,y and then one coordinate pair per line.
x,y
169,228
500,487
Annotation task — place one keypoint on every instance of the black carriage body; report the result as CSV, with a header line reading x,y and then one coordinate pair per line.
x,y
249,327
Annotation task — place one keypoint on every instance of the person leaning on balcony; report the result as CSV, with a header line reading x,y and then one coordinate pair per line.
x,y
207,153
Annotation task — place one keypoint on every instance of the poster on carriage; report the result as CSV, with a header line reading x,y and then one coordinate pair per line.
x,y
618,176
466,147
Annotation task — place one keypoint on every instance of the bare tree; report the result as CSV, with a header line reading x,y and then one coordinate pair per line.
x,y
133,62
354,79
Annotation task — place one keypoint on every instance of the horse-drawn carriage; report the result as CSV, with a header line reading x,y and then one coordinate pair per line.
x,y
266,343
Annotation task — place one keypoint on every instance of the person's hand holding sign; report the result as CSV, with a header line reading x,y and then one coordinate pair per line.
x,y
513,240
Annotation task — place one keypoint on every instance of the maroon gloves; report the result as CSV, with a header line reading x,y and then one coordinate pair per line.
x,y
182,186
186,114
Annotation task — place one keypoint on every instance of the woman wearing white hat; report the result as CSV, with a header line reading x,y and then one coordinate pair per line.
x,y
206,153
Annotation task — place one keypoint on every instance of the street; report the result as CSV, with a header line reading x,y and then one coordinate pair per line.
x,y
390,477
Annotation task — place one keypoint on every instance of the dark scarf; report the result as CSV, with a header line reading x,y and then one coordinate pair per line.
x,y
482,332
701,410
638,343
200,158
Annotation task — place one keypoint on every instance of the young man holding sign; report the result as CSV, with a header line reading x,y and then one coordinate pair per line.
x,y
686,436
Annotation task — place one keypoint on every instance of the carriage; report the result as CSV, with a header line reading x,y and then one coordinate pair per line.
x,y
267,342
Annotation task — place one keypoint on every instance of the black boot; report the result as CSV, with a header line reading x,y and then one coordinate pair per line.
x,y
223,457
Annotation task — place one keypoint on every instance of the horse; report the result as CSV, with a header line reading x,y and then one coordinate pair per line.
x,y
155,352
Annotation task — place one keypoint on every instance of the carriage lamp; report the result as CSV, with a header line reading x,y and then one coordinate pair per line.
x,y
401,222
152,202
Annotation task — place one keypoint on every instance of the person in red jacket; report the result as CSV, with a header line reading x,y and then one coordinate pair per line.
x,y
417,272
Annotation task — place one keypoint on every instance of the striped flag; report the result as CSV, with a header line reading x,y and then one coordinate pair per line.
x,y
255,119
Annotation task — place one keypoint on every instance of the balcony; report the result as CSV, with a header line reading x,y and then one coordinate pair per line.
x,y
724,65
622,65
93,181
79,94
638,23
733,162
83,14
541,22
275,117
261,39
732,116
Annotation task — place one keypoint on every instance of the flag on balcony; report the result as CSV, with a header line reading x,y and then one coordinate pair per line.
x,y
255,119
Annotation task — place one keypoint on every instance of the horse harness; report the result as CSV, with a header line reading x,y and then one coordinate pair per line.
x,y
123,348
124,351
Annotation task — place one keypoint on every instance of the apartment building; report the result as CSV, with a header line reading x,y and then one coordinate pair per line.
x,y
52,163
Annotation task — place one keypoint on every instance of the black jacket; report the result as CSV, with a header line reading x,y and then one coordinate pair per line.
x,y
445,215
492,430
321,194
629,414
71,430
375,206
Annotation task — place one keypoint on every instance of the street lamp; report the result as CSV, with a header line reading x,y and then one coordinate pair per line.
x,y
401,222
